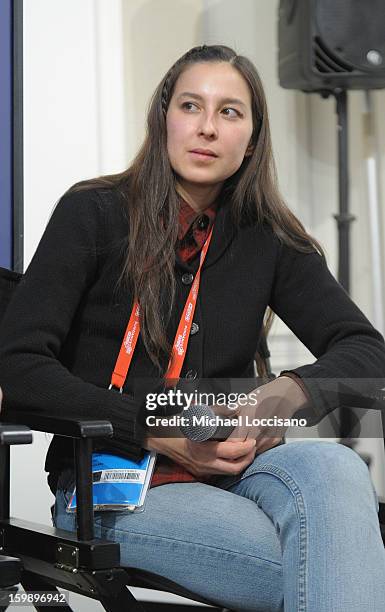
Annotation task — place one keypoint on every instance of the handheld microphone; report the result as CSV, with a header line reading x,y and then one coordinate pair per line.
x,y
202,424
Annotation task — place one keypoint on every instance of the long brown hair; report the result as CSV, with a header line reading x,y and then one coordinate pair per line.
x,y
149,193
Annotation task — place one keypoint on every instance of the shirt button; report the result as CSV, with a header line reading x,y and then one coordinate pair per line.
x,y
194,329
187,278
203,222
191,375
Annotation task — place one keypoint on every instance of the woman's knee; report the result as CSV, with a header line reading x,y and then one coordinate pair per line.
x,y
342,471
323,476
334,457
321,462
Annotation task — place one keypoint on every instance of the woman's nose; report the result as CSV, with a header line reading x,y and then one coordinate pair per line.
x,y
207,126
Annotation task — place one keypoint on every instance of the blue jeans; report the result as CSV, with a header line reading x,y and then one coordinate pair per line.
x,y
297,531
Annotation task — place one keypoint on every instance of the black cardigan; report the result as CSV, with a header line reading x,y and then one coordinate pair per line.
x,y
61,335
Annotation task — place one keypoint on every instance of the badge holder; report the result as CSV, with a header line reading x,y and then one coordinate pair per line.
x,y
118,483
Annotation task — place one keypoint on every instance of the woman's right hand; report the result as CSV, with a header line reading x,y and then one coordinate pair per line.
x,y
212,457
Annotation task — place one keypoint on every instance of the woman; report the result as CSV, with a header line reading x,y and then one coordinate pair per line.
x,y
247,522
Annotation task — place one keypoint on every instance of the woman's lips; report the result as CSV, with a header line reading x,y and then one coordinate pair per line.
x,y
204,156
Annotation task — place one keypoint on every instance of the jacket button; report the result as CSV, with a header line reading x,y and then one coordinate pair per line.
x,y
187,278
194,329
191,375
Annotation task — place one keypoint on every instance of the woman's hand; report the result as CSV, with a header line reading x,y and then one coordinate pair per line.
x,y
229,457
280,398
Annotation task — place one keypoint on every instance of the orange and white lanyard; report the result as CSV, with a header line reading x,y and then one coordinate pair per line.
x,y
182,335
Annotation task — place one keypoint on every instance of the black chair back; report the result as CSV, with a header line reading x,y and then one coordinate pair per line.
x,y
8,282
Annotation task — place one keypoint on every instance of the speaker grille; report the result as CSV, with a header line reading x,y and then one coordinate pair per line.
x,y
331,44
325,61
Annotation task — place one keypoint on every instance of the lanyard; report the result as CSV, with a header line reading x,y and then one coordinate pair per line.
x,y
182,335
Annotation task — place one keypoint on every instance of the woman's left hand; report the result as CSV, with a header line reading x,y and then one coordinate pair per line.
x,y
263,417
263,444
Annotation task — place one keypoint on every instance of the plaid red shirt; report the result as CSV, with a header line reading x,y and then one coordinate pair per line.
x,y
193,230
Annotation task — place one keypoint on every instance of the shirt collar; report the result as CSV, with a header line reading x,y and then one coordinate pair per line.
x,y
188,216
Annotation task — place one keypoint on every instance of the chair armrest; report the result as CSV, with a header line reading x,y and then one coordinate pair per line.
x,y
14,434
82,431
62,426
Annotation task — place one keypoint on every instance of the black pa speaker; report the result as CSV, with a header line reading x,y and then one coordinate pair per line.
x,y
331,44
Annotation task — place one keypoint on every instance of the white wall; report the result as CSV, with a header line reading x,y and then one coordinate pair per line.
x,y
90,68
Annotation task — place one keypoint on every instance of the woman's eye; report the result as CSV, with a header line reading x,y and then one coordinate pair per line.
x,y
231,112
189,105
